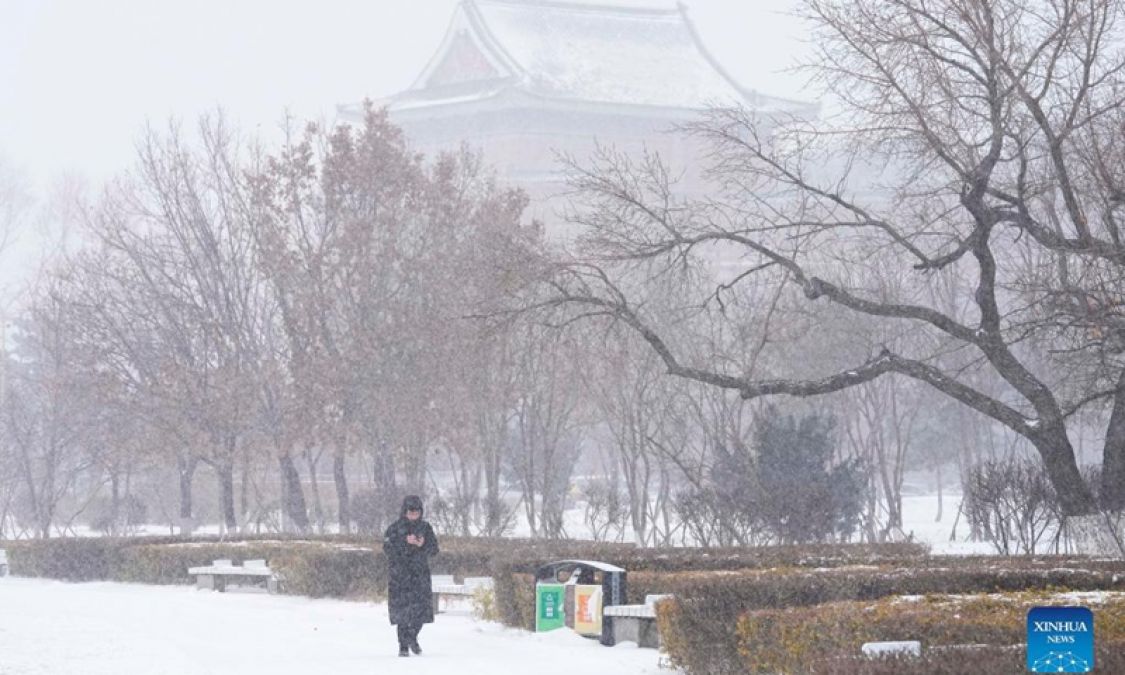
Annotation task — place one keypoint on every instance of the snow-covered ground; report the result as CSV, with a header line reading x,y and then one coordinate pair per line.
x,y
918,518
102,628
919,513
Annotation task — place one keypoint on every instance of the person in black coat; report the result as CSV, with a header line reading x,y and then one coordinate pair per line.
x,y
409,543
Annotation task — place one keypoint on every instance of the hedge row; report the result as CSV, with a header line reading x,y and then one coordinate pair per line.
x,y
976,659
526,555
321,567
515,582
801,640
343,565
796,587
647,575
699,631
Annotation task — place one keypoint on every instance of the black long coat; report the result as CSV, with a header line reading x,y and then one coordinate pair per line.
x,y
410,594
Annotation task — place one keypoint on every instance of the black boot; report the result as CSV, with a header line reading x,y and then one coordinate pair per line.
x,y
413,641
405,637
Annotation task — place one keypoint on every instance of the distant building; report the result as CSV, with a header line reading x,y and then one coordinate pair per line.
x,y
524,80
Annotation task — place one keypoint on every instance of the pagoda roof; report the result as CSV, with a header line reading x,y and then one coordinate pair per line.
x,y
622,52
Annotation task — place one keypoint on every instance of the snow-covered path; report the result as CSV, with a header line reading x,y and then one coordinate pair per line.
x,y
102,628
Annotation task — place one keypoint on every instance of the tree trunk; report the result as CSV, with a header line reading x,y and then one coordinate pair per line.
x,y
385,484
45,507
1112,488
342,498
939,501
292,495
114,502
186,470
493,508
1058,456
414,467
318,509
244,484
225,473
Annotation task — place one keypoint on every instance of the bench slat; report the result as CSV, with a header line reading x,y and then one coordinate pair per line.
x,y
633,611
451,589
233,571
892,648
479,582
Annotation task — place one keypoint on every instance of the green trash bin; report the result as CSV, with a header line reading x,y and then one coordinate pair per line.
x,y
549,609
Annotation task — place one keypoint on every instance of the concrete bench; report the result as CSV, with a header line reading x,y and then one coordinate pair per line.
x,y
444,586
895,648
636,623
3,563
215,576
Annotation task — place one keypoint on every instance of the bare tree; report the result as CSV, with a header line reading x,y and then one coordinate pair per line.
x,y
548,426
634,398
982,119
50,411
181,231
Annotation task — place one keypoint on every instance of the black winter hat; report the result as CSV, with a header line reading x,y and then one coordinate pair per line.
x,y
412,503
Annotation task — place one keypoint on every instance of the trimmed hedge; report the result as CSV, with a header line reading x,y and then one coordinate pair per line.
x,y
976,659
698,628
532,553
515,581
796,640
795,587
330,566
354,566
730,568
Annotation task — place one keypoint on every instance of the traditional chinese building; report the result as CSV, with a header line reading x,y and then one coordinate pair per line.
x,y
525,80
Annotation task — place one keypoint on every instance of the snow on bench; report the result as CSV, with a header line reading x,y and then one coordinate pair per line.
x,y
896,648
636,623
3,563
443,585
214,576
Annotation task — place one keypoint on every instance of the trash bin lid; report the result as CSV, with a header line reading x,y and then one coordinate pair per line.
x,y
552,568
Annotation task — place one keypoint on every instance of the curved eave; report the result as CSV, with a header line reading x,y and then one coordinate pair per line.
x,y
752,96
466,17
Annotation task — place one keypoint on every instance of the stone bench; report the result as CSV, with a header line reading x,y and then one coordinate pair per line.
x,y
444,586
636,623
215,576
896,648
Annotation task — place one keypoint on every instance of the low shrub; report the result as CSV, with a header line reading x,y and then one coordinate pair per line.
x,y
798,587
515,580
515,597
795,640
86,559
976,659
484,604
698,629
321,571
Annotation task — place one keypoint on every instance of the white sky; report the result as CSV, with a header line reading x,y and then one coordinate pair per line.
x,y
80,78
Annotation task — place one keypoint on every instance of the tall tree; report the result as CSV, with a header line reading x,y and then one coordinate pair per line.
x,y
982,128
